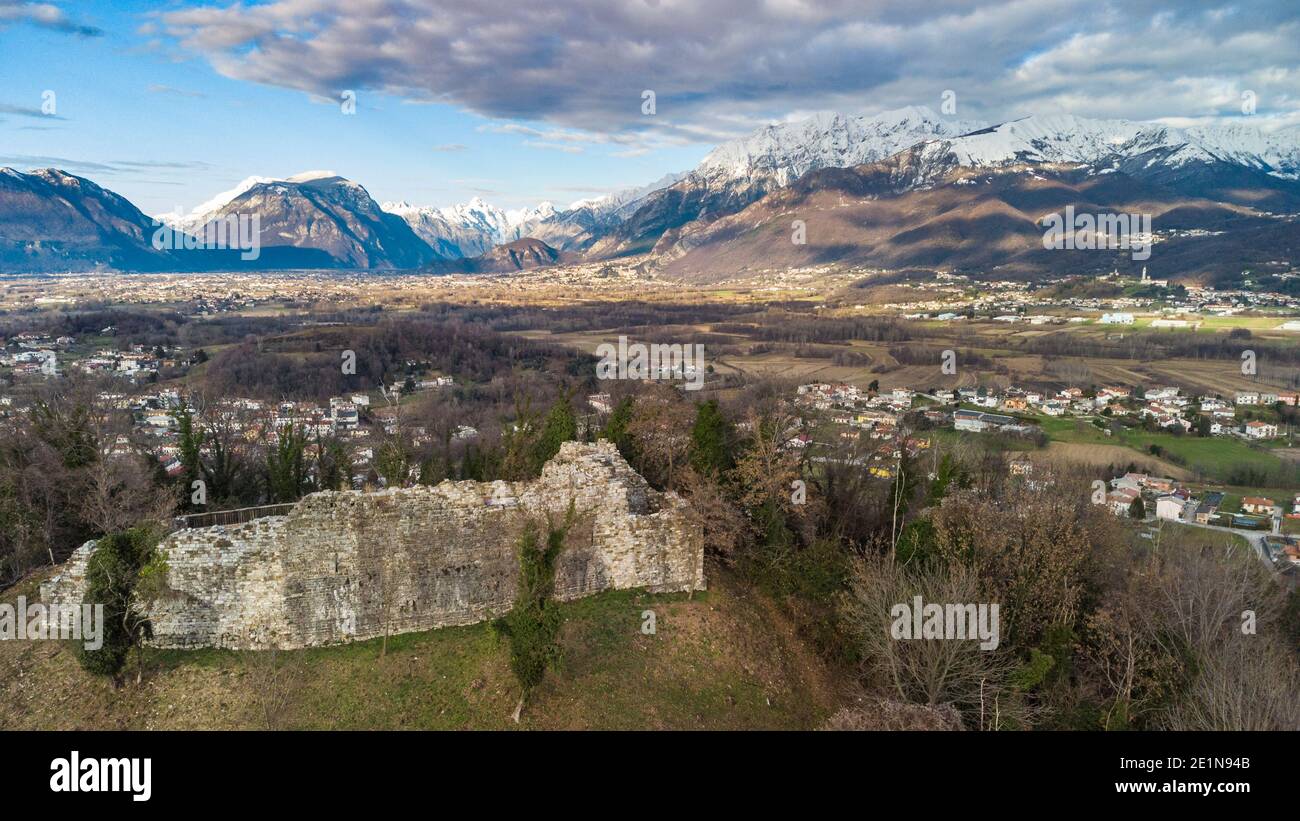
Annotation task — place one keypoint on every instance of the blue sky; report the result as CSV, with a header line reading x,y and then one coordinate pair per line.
x,y
194,132
169,103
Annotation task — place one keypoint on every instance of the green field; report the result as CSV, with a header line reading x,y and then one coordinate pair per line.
x,y
1215,458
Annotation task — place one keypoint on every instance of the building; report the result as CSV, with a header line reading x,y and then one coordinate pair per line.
x,y
1121,499
1260,430
1257,504
1209,507
977,422
1117,319
1173,507
343,414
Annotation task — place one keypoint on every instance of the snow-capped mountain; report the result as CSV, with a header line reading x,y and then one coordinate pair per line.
x,y
973,202
472,228
620,204
1149,151
202,213
475,227
317,219
739,172
780,154
321,220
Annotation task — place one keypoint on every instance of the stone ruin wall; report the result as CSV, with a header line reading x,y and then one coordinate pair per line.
x,y
345,566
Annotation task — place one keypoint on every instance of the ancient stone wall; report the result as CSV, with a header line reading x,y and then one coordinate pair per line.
x,y
351,565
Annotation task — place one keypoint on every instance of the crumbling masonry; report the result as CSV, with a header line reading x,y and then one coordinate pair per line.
x,y
343,566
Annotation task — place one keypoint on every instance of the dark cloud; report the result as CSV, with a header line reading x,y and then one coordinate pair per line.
x,y
722,67
44,15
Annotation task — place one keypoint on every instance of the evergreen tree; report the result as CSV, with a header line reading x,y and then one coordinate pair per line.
x,y
286,467
393,462
1137,510
711,441
533,625
119,564
333,465
190,442
560,427
616,429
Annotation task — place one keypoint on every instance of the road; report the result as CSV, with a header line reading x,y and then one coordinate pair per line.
x,y
1255,538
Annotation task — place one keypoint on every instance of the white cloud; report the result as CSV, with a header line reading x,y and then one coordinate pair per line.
x,y
722,67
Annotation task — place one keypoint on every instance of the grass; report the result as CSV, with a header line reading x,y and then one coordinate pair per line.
x,y
721,659
1214,457
1186,537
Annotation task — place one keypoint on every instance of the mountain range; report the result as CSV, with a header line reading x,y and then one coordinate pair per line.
x,y
906,188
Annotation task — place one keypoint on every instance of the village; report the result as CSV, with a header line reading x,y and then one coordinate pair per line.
x,y
896,422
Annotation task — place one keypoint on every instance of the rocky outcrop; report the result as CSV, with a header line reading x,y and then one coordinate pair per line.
x,y
343,566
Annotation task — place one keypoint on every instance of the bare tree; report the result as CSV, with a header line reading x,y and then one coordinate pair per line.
x,y
276,678
926,671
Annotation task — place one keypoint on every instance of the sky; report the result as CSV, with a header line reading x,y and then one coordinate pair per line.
x,y
516,102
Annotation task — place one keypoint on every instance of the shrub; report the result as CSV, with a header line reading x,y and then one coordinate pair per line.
x,y
533,625
120,563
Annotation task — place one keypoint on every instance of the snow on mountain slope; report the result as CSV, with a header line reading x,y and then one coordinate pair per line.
x,y
1065,138
475,227
200,214
620,201
783,153
741,171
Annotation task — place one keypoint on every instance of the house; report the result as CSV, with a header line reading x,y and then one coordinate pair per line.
x,y
1159,485
1260,430
1209,507
1170,507
1130,481
1121,499
1257,504
1247,398
1117,319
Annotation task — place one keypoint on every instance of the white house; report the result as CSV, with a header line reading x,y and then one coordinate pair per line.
x,y
1260,430
1170,507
